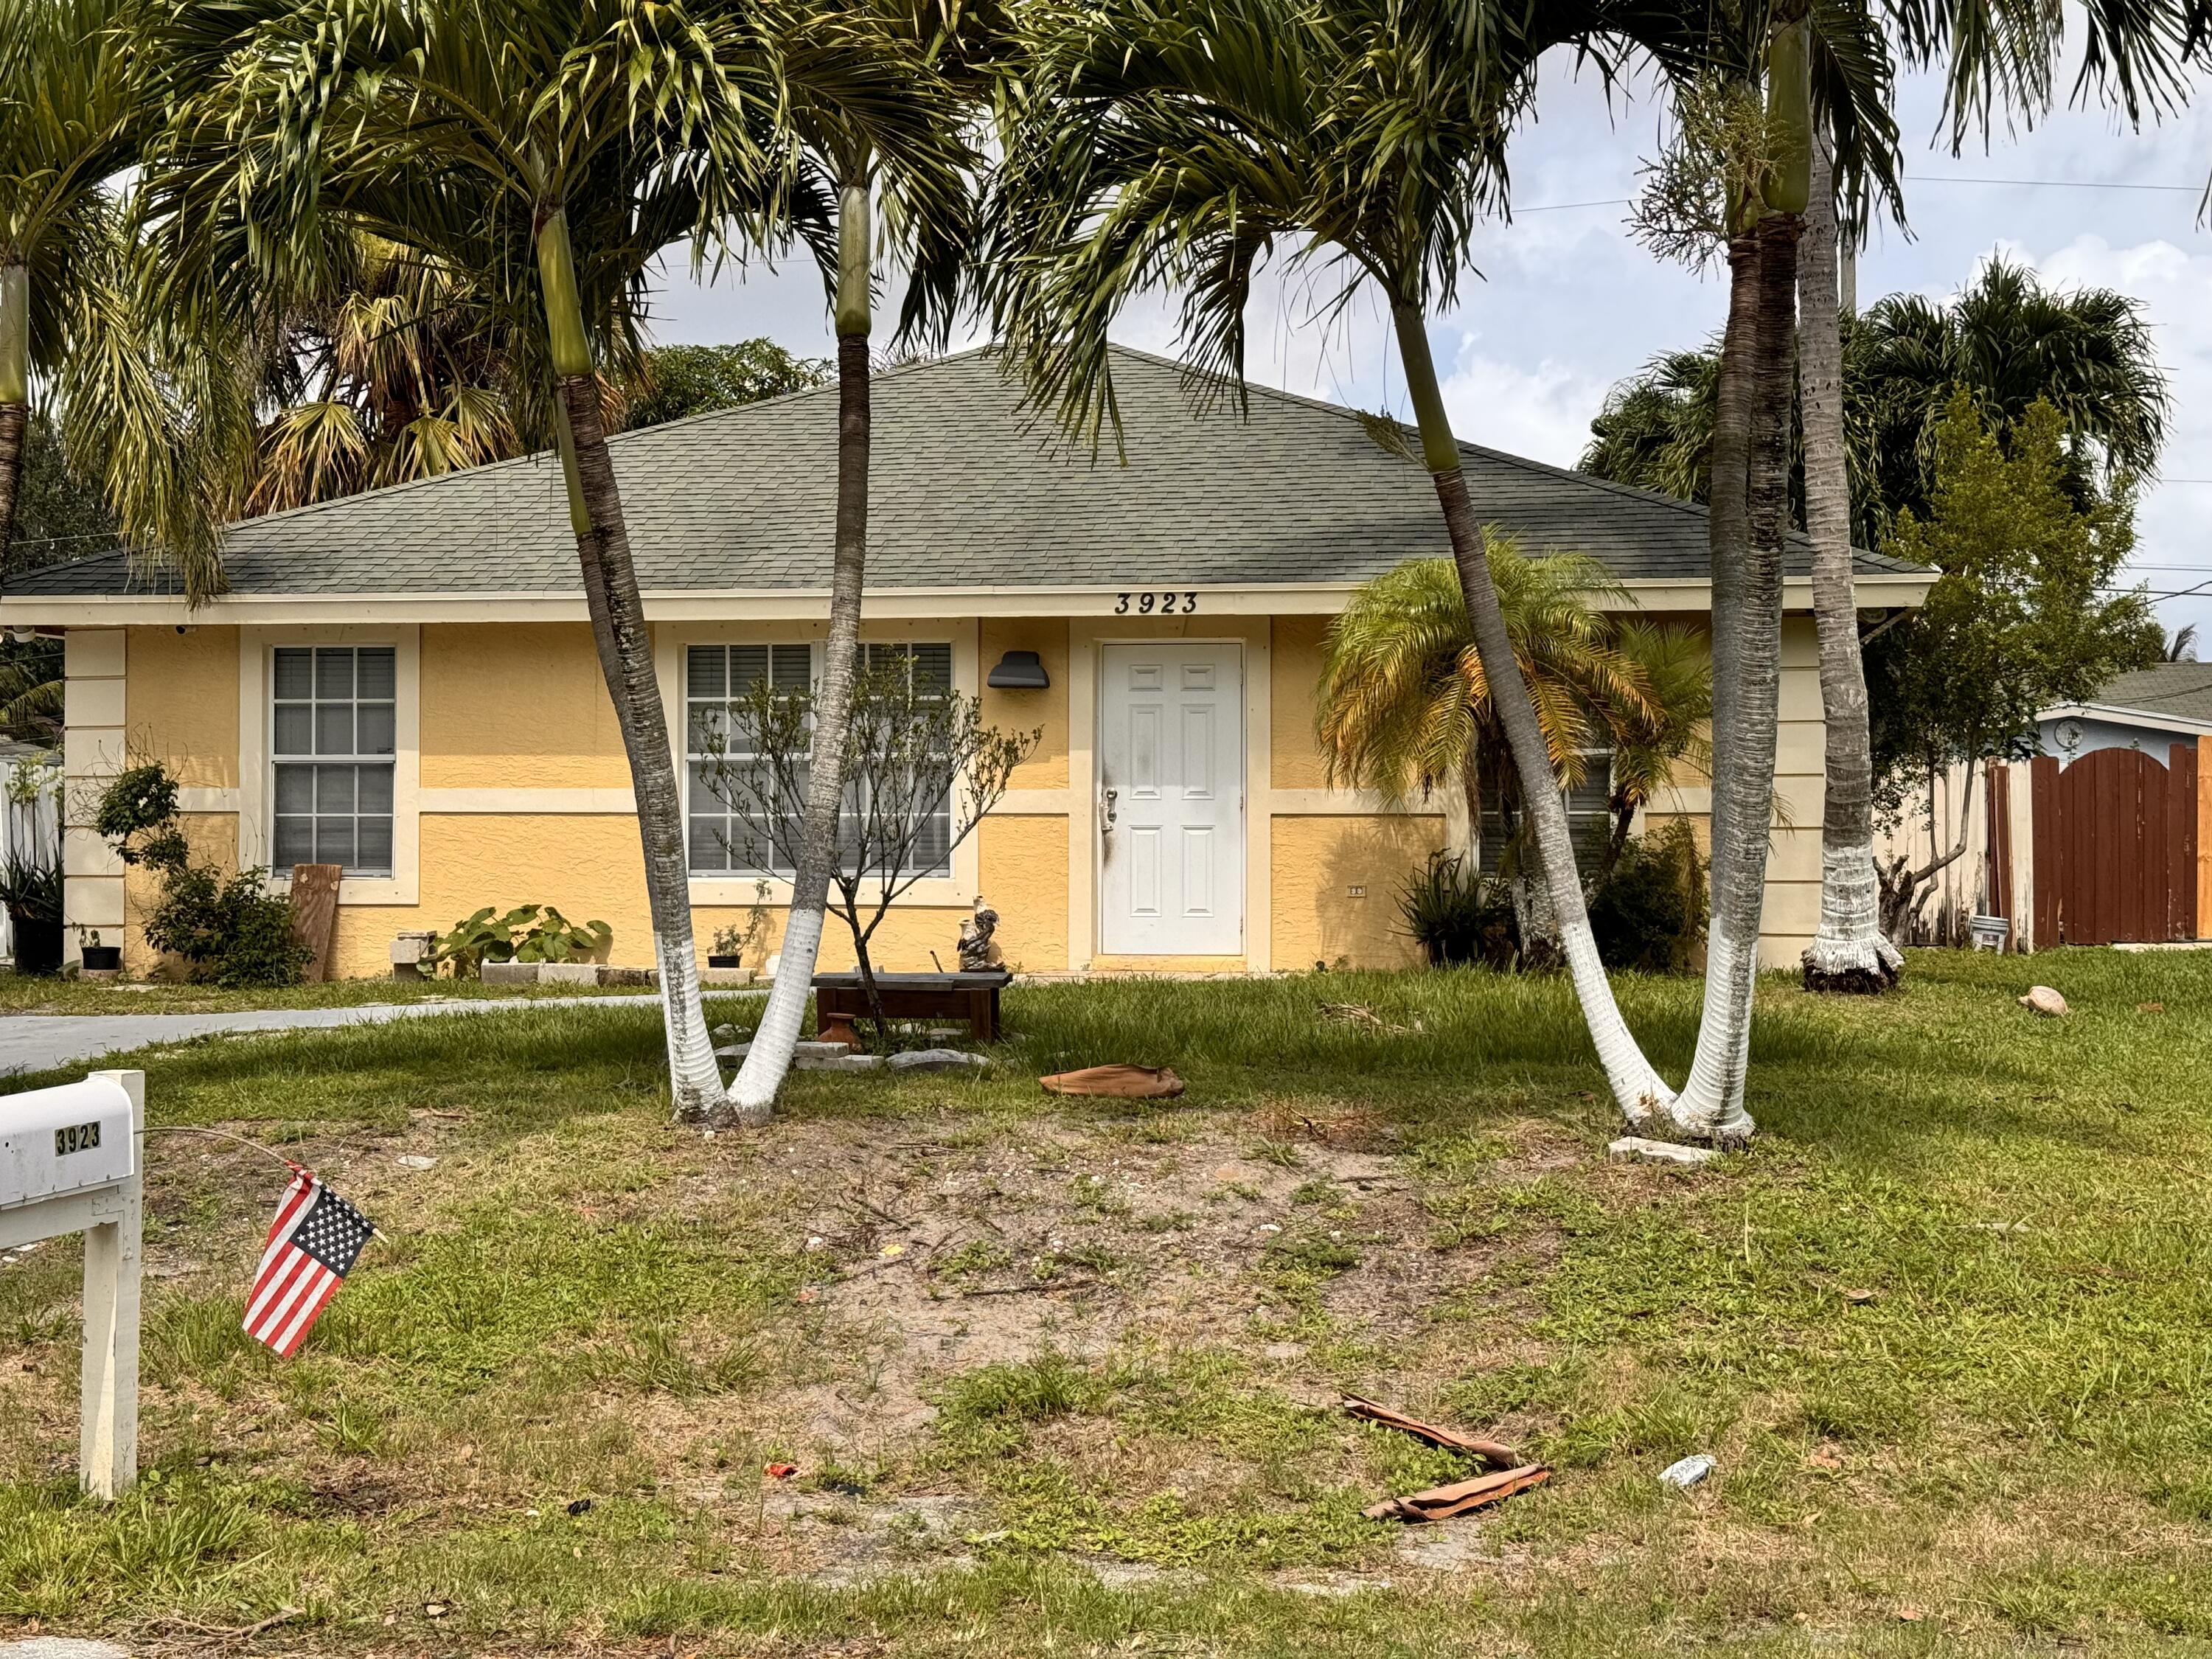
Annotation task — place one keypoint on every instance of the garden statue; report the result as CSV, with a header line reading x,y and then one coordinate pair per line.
x,y
979,952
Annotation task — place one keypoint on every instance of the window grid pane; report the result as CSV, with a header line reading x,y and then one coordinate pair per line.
x,y
715,677
337,704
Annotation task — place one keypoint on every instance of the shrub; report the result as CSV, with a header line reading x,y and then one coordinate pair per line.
x,y
1458,915
31,891
1649,913
529,932
232,930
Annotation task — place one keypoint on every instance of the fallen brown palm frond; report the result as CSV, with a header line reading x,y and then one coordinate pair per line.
x,y
1491,1452
1443,1503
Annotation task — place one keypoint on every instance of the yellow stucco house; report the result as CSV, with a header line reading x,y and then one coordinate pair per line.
x,y
403,681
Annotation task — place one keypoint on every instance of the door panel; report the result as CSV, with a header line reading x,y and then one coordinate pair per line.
x,y
1171,780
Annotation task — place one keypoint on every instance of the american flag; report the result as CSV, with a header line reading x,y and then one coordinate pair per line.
x,y
311,1246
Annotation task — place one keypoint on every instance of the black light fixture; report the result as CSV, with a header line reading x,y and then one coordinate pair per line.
x,y
1019,671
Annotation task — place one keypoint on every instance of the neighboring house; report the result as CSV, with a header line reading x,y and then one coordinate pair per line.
x,y
2150,709
404,681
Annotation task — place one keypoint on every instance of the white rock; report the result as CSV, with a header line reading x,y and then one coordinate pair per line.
x,y
1638,1150
724,1034
414,1161
937,1059
1686,1473
2044,1000
61,1647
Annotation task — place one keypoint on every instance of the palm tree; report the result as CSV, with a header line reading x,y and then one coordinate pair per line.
x,y
1405,706
929,214
396,371
575,137
1849,952
2006,337
1155,147
2008,341
1654,746
141,404
1738,176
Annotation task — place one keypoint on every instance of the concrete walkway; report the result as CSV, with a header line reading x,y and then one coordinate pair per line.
x,y
38,1043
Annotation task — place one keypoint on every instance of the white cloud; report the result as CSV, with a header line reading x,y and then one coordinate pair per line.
x,y
1542,412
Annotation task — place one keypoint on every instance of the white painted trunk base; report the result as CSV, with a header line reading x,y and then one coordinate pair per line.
x,y
1712,1102
695,1081
1850,939
754,1090
1637,1086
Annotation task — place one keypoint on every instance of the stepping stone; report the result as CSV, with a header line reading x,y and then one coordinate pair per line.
x,y
61,1647
937,1059
1636,1149
805,1056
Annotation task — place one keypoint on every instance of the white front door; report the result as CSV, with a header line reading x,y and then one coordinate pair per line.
x,y
1172,799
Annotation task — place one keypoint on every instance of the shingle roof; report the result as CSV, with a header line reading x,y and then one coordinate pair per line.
x,y
966,490
2182,689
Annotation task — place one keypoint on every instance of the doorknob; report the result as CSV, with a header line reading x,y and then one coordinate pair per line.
x,y
1112,795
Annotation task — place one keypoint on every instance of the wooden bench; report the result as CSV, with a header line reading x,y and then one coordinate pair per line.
x,y
842,998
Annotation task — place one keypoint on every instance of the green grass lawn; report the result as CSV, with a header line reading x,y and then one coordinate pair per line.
x,y
1061,1376
39,993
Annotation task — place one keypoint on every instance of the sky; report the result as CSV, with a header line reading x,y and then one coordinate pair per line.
x,y
1563,303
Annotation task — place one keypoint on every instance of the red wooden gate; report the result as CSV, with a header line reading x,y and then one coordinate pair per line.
x,y
2115,847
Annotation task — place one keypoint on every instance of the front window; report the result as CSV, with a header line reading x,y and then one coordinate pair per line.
x,y
716,679
1589,815
716,676
334,725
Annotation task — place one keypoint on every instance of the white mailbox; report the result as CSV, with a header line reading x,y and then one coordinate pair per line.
x,y
62,1140
69,1164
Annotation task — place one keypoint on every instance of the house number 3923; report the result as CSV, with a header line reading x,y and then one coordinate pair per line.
x,y
1167,603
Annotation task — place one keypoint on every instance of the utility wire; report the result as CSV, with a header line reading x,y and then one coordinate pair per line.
x,y
1912,178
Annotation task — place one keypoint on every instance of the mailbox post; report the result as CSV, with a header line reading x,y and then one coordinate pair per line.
x,y
70,1162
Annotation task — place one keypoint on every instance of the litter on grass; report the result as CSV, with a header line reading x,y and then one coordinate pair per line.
x,y
1686,1473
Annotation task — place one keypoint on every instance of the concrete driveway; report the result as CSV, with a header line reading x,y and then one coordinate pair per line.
x,y
38,1043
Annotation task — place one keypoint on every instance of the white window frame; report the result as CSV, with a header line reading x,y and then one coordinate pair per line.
x,y
312,759
257,658
736,888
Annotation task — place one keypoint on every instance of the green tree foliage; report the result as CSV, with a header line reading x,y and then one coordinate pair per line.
x,y
680,380
228,928
2005,338
2023,615
61,514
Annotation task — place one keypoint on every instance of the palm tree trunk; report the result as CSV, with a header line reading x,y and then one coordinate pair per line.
x,y
625,647
1637,1086
1747,647
15,396
1849,953
768,1060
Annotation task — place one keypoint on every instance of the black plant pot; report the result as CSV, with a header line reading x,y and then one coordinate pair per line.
x,y
103,958
726,962
38,945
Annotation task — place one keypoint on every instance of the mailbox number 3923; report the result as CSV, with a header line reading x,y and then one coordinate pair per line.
x,y
1167,603
77,1138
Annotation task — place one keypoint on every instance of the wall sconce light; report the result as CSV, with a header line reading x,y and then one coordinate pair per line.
x,y
1019,671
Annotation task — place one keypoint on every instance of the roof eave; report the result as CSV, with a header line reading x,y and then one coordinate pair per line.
x,y
2117,714
1682,594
